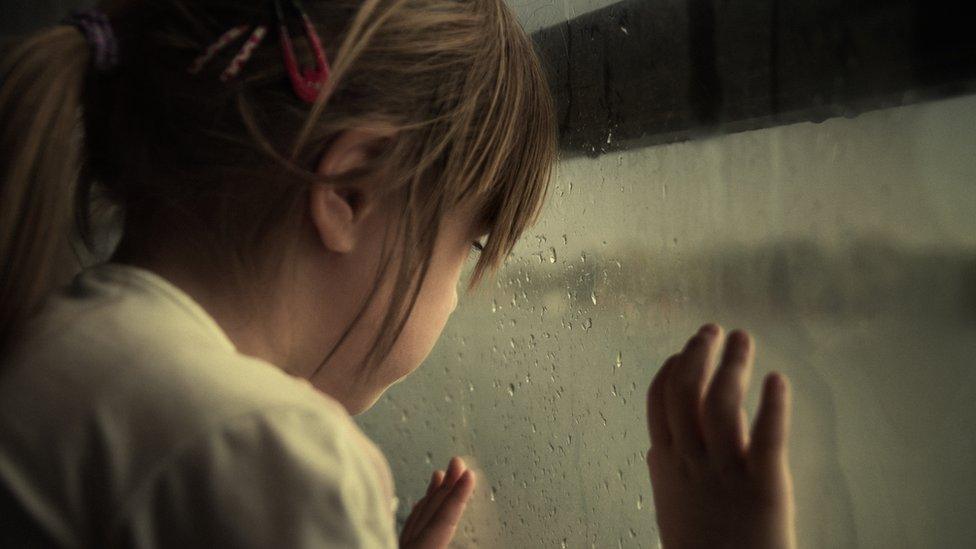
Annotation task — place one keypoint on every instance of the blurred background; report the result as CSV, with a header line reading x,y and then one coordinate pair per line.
x,y
801,169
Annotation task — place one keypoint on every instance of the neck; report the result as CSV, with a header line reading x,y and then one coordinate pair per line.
x,y
278,326
248,323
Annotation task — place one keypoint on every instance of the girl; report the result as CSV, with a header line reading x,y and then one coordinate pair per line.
x,y
301,187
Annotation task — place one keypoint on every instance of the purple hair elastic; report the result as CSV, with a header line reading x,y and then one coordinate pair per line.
x,y
97,28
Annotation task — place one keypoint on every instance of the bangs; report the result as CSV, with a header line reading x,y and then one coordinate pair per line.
x,y
512,190
485,139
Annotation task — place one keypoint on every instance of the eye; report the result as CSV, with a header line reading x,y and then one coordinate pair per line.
x,y
478,246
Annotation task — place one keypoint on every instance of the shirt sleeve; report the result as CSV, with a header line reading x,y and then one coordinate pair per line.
x,y
292,478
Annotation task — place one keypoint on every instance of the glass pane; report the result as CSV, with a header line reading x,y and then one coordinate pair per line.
x,y
848,248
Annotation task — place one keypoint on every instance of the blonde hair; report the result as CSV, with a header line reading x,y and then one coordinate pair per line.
x,y
223,166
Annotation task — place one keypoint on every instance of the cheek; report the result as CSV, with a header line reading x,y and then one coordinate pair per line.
x,y
434,306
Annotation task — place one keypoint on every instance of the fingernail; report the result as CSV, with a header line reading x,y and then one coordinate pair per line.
x,y
708,329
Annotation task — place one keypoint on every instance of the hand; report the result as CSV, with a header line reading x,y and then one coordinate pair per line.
x,y
435,517
714,485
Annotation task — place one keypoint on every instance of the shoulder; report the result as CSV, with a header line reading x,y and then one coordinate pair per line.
x,y
124,394
283,477
126,350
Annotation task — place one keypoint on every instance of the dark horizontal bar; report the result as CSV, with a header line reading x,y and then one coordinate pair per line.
x,y
644,72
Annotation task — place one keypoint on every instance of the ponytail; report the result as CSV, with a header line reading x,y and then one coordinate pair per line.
x,y
41,82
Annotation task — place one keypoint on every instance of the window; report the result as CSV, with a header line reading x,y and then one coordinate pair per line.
x,y
848,248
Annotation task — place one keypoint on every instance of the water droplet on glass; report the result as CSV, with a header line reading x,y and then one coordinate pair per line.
x,y
588,323
618,361
494,306
552,255
593,297
640,502
493,492
511,389
429,458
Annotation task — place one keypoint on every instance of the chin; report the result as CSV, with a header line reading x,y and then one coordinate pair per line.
x,y
360,406
364,403
402,361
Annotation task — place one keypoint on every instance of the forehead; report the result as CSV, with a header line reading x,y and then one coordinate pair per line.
x,y
467,218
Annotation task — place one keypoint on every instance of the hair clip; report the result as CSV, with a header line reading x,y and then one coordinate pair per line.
x,y
242,56
212,50
308,81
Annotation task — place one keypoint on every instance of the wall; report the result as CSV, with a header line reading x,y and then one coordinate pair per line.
x,y
848,248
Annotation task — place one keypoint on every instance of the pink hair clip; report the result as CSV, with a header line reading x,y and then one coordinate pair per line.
x,y
242,56
257,35
307,82
212,50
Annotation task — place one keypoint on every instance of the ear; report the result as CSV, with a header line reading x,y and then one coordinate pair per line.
x,y
337,212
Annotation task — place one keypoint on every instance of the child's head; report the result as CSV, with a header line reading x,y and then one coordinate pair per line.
x,y
440,106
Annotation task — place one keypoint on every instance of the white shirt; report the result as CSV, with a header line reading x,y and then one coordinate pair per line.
x,y
127,418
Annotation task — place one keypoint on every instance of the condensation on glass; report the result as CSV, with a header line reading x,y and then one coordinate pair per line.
x,y
848,248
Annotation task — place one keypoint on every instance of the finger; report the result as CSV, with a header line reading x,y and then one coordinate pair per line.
x,y
657,417
723,425
436,480
409,528
440,530
422,515
685,387
455,470
770,431
744,422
